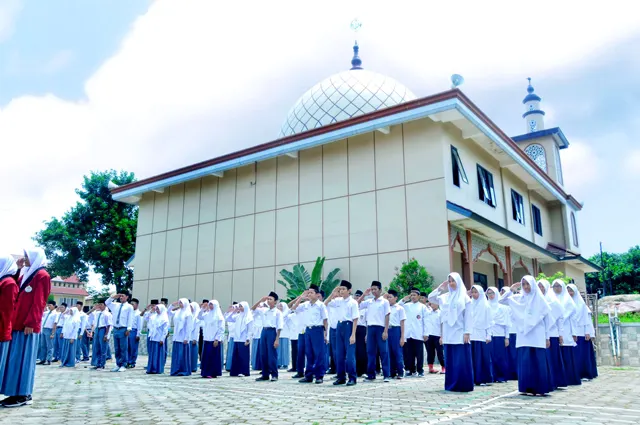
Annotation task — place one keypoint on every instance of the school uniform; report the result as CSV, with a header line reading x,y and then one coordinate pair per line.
x,y
456,322
101,330
344,311
195,334
333,332
512,352
34,287
147,319
415,330
301,345
568,330
432,326
272,322
481,319
81,331
315,344
532,317
229,355
241,357
554,353
49,318
57,339
212,331
122,314
361,344
499,334
8,292
586,356
397,321
289,331
70,338
85,340
158,327
134,339
254,335
377,312
182,329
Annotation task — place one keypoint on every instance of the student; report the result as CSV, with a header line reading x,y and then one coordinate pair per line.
x,y
182,329
49,318
481,337
101,331
532,317
416,332
361,341
299,319
584,329
134,335
345,310
229,356
377,314
165,301
85,340
433,327
81,330
70,332
316,333
57,339
122,316
158,326
195,334
148,315
396,339
271,317
212,333
254,334
456,332
34,287
554,355
8,293
289,331
568,332
201,335
241,316
499,336
512,352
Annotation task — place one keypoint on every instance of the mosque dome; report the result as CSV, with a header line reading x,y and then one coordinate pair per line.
x,y
342,96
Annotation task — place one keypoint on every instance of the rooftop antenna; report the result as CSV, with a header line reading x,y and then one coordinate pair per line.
x,y
456,80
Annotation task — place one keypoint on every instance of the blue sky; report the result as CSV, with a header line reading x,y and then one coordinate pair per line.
x,y
149,86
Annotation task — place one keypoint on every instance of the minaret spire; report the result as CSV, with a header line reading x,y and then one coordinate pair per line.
x,y
533,115
356,62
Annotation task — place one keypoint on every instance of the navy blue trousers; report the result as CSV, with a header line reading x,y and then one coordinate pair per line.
x,y
345,352
269,353
132,355
376,344
121,346
302,353
333,338
57,344
361,350
315,349
396,358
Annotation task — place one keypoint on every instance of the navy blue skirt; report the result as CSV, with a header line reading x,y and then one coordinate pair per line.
x,y
512,358
534,374
570,365
68,353
481,356
157,357
211,364
181,359
459,376
587,359
229,357
499,359
554,357
194,357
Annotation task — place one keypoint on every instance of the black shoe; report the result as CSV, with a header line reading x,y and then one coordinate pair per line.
x,y
319,381
18,401
331,372
41,362
297,376
7,400
291,370
55,361
262,378
340,382
351,383
48,363
305,381
369,379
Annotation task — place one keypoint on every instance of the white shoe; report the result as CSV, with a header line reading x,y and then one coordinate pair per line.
x,y
386,380
115,369
122,369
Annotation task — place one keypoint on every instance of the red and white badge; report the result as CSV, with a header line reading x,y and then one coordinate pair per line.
x,y
28,289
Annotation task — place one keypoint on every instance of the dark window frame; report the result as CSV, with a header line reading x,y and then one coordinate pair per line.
x,y
537,219
574,229
517,207
486,189
481,280
457,168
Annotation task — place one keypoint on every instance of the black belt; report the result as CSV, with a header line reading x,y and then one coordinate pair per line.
x,y
119,327
375,326
315,327
345,321
268,327
393,327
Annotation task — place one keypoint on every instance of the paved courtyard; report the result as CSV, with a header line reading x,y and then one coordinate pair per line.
x,y
83,396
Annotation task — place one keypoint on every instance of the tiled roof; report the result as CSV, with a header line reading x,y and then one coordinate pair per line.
x,y
58,290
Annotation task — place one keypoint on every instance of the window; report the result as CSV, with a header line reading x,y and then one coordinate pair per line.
x,y
517,207
480,279
500,283
486,193
537,219
574,229
537,154
458,168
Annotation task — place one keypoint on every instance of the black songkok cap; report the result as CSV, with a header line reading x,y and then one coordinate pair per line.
x,y
376,283
346,284
274,295
154,302
358,293
392,292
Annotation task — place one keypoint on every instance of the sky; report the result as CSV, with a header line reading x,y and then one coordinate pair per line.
x,y
151,85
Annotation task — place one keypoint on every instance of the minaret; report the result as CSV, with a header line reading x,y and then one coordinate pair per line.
x,y
533,115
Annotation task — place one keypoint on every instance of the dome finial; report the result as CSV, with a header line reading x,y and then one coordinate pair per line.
x,y
356,62
530,87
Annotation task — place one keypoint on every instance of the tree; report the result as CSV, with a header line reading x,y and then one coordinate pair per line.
x,y
621,272
299,280
556,275
411,275
97,233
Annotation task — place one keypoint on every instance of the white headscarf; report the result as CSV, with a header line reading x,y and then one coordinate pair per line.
x,y
216,310
244,318
285,308
582,311
195,309
565,300
160,318
70,321
454,303
180,319
8,266
37,259
500,315
549,296
481,312
535,305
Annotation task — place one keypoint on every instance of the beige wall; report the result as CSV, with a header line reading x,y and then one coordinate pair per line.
x,y
569,270
367,204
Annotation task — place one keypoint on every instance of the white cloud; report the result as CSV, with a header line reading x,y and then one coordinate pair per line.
x,y
195,79
632,163
581,166
9,11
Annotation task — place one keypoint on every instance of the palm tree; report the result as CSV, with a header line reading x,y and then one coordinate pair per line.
x,y
299,280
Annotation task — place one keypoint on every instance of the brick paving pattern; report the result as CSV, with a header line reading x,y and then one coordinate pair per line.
x,y
85,396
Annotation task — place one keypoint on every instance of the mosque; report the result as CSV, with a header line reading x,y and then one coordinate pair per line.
x,y
367,175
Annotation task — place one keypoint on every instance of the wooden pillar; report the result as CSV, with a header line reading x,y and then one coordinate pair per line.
x,y
451,251
495,276
508,278
468,265
534,264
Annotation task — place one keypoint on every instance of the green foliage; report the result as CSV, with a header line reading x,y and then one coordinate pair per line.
x,y
298,280
622,270
102,292
624,318
51,298
97,233
411,275
556,275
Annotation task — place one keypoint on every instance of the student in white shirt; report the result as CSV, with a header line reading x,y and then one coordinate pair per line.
x,y
361,340
415,332
57,340
148,314
316,333
568,333
272,324
377,315
158,327
49,319
532,316
433,328
512,352
396,339
229,355
289,331
455,313
254,335
481,336
134,335
346,313
182,329
499,336
242,316
195,335
69,338
554,354
584,330
122,316
79,346
101,331
212,333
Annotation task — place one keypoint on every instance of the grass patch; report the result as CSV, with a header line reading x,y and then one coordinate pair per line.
x,y
624,318
78,382
621,368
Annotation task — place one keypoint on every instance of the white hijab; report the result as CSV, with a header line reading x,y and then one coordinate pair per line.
x,y
285,308
556,309
8,266
37,259
246,317
480,310
565,300
535,305
70,321
500,315
216,310
454,303
180,319
582,311
160,318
